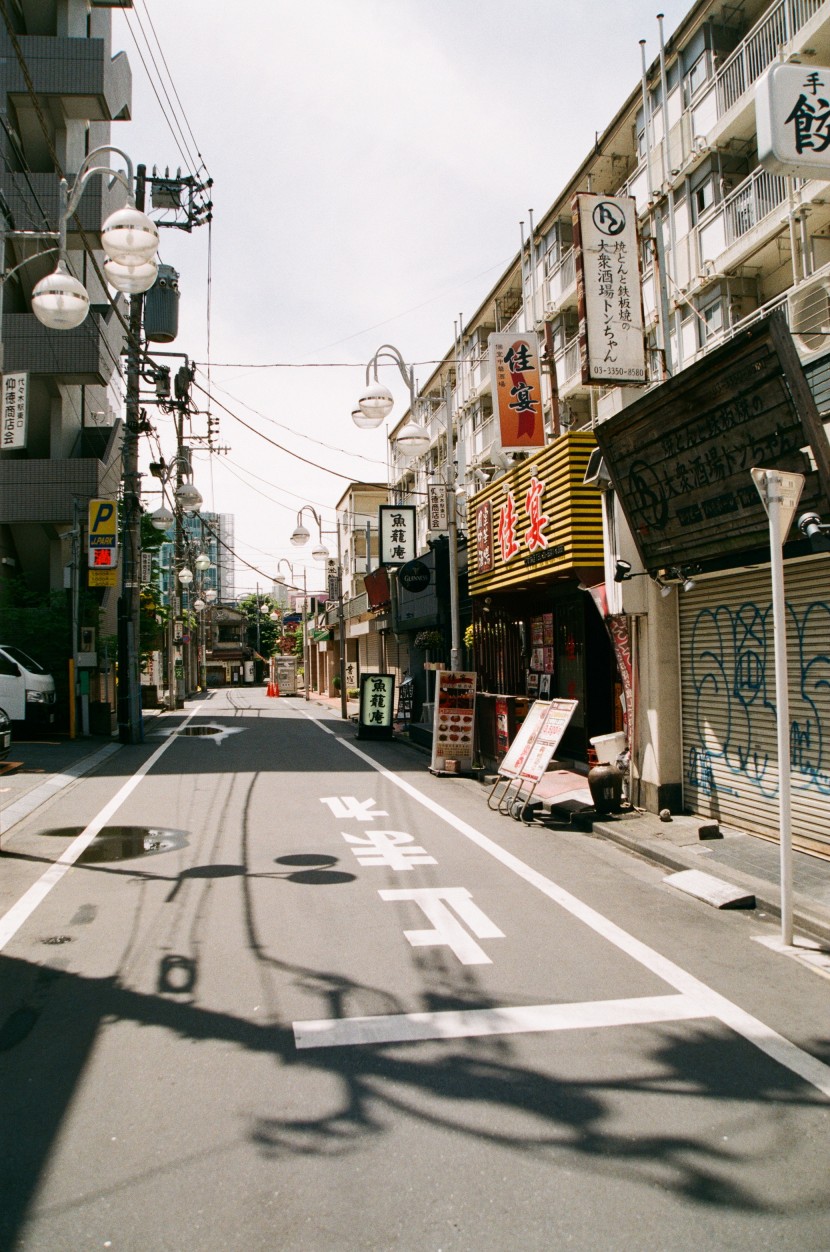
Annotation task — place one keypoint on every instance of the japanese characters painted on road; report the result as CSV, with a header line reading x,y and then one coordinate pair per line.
x,y
15,411
103,534
396,527
517,390
377,706
454,721
538,737
680,456
792,118
611,343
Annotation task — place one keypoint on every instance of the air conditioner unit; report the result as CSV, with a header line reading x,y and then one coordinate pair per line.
x,y
809,315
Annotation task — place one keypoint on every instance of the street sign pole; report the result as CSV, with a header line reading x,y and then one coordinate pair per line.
x,y
780,493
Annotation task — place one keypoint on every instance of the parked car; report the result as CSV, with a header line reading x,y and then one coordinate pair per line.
x,y
27,690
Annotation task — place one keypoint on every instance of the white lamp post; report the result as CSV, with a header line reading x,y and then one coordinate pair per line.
x,y
413,439
301,536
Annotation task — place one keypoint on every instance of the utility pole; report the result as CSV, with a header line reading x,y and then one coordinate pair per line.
x,y
130,723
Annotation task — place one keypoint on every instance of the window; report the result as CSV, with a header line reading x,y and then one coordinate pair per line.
x,y
697,75
704,196
712,323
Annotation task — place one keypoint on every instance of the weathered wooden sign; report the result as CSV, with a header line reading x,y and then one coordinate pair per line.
x,y
680,457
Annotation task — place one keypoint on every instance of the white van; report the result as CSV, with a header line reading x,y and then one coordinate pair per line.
x,y
27,690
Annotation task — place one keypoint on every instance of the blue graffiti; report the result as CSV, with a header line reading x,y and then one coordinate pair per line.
x,y
734,712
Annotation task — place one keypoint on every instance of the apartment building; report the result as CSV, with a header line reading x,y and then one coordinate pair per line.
x,y
62,90
680,652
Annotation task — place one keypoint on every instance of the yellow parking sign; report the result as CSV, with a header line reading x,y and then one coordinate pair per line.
x,y
103,534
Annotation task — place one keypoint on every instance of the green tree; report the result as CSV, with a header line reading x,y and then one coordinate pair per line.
x,y
252,606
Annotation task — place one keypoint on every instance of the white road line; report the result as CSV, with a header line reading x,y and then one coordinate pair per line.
x,y
20,912
709,1003
470,1023
33,799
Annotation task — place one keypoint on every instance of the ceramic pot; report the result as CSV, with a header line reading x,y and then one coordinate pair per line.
x,y
605,783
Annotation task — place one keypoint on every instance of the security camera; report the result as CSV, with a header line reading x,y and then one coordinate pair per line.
x,y
810,525
817,531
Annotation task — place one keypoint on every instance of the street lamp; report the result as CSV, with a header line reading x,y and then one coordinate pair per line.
x,y
280,578
129,239
299,537
374,405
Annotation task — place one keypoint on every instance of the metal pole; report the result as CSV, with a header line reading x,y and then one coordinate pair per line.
x,y
455,620
306,649
782,704
130,725
341,626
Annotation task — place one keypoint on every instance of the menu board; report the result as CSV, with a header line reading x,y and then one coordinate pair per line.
x,y
538,738
454,725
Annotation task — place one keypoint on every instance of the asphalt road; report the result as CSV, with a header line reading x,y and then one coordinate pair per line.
x,y
339,1004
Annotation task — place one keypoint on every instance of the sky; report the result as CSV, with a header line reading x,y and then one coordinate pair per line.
x,y
372,162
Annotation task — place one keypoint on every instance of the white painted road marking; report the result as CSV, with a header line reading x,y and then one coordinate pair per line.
x,y
436,903
394,848
39,795
711,1003
11,921
350,806
471,1023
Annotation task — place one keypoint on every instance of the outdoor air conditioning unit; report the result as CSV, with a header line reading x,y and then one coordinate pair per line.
x,y
809,315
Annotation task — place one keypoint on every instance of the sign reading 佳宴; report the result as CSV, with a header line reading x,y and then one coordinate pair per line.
x,y
611,344
517,390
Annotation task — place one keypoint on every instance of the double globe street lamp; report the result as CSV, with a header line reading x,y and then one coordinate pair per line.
x,y
300,537
374,405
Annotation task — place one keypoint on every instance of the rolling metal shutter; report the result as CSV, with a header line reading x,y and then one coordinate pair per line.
x,y
730,759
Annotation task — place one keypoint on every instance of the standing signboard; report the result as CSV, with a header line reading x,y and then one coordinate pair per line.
x,y
611,343
517,390
453,729
377,706
531,752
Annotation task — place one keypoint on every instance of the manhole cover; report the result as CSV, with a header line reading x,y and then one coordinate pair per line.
x,y
122,843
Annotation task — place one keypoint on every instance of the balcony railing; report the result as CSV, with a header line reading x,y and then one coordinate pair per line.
x,y
760,48
752,201
561,278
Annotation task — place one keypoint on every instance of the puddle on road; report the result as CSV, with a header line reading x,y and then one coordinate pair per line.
x,y
199,730
122,843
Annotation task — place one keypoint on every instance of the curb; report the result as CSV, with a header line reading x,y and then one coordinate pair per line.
x,y
807,916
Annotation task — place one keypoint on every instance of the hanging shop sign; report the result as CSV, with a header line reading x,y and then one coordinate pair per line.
x,y
516,382
414,576
377,706
437,513
396,527
15,411
607,251
538,520
454,722
102,536
376,584
680,457
792,118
